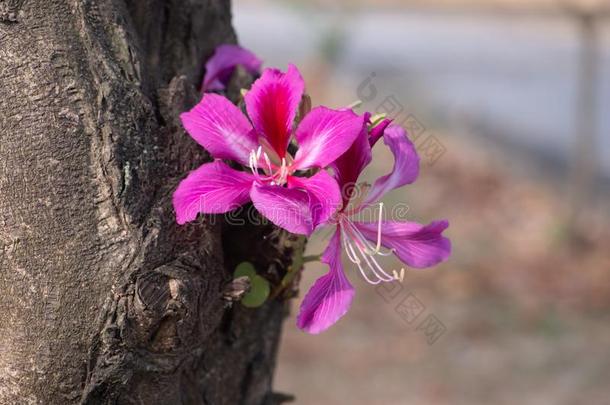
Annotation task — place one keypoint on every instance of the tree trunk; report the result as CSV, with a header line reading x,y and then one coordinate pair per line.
x,y
103,298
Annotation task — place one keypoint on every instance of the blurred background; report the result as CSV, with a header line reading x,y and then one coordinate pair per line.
x,y
508,103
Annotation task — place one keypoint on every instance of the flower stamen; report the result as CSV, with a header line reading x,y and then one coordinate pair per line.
x,y
277,175
363,252
253,161
351,254
399,276
367,246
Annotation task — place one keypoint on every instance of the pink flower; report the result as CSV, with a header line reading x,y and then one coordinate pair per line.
x,y
416,245
297,204
222,64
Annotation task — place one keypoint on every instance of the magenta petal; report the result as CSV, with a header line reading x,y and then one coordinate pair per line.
x,y
272,104
285,207
331,295
348,167
406,164
324,135
416,245
324,195
220,66
213,188
221,128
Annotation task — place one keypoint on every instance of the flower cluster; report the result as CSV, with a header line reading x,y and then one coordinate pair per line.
x,y
303,177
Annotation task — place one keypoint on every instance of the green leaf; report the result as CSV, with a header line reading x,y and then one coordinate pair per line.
x,y
259,291
244,269
259,287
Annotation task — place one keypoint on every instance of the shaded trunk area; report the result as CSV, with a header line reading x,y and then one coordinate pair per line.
x,y
103,298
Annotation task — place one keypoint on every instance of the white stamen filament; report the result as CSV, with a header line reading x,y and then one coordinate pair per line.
x,y
362,244
352,236
268,162
399,276
252,163
351,254
285,171
368,249
378,246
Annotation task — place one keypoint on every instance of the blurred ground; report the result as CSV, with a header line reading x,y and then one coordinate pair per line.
x,y
521,310
525,308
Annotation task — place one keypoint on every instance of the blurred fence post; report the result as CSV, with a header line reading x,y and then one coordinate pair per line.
x,y
583,168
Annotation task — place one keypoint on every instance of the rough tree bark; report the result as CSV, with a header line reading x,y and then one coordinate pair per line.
x,y
103,298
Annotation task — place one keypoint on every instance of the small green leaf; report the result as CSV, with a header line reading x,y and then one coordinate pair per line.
x,y
259,287
244,269
259,291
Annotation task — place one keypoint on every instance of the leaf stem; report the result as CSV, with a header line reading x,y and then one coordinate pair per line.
x,y
311,258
